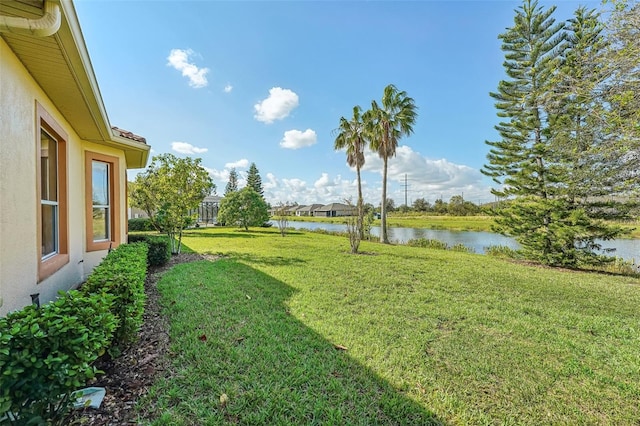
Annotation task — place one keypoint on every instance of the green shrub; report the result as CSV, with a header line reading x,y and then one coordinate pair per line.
x,y
618,266
462,248
141,224
137,238
159,248
122,273
428,243
502,252
46,354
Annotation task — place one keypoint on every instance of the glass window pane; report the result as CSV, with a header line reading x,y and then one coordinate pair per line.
x,y
49,229
100,224
100,183
49,167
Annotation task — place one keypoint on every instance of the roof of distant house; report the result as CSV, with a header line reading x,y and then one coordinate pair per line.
x,y
212,199
335,206
310,208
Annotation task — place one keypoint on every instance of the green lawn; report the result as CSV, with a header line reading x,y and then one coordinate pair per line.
x,y
432,337
452,223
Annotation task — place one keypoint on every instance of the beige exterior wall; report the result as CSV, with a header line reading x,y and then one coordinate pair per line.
x,y
19,205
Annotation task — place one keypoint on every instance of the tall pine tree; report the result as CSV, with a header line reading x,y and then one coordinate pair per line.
x,y
584,173
551,161
254,180
232,184
578,111
522,161
623,59
621,92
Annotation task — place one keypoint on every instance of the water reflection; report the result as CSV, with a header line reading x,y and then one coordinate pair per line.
x,y
478,241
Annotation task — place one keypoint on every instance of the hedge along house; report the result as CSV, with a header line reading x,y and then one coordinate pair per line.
x,y
63,200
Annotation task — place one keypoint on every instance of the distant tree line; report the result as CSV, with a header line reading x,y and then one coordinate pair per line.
x,y
456,206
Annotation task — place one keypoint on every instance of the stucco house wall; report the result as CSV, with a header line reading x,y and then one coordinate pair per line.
x,y
23,104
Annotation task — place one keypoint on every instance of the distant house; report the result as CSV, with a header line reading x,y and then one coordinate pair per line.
x,y
307,210
63,196
335,210
284,210
137,213
208,210
291,211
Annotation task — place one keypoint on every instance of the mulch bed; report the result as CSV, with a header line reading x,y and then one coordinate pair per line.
x,y
129,377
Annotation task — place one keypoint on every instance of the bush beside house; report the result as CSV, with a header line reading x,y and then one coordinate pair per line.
x,y
47,353
140,224
122,273
159,248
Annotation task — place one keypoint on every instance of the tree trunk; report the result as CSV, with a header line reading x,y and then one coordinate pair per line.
x,y
383,208
172,241
179,241
360,206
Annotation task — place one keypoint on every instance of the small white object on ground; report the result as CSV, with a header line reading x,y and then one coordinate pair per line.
x,y
89,397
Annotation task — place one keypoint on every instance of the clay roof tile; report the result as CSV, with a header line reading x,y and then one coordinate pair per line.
x,y
129,135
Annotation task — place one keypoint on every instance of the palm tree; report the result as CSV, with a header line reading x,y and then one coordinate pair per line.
x,y
385,126
351,137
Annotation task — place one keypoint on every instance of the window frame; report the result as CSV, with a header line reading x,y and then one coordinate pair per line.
x,y
53,262
114,196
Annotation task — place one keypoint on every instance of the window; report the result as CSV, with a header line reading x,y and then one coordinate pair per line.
x,y
49,194
102,186
101,201
52,192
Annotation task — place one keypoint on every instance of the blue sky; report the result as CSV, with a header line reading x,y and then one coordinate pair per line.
x,y
267,82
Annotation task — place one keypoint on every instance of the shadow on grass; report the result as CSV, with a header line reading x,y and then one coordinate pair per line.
x,y
238,356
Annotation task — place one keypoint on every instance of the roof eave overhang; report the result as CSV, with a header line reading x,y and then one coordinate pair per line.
x,y
136,153
71,42
83,108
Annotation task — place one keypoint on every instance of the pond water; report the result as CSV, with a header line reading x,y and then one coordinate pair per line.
x,y
478,241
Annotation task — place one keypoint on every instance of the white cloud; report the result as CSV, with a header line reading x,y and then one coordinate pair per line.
x,y
187,148
451,179
323,181
215,173
228,88
271,182
277,106
426,178
324,190
221,177
429,179
180,60
294,139
240,164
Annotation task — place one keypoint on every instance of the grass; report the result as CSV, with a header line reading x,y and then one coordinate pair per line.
x,y
452,223
432,336
633,227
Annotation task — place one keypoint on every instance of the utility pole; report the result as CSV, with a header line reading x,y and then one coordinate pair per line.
x,y
406,186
